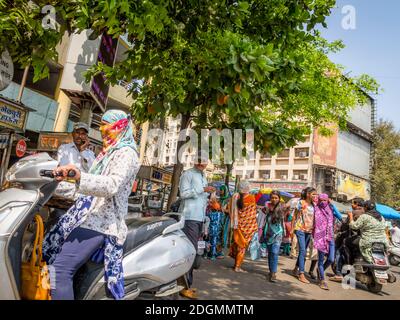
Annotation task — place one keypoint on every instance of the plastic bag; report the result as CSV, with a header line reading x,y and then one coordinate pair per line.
x,y
254,247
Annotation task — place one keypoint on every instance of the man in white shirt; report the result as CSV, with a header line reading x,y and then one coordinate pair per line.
x,y
395,234
77,152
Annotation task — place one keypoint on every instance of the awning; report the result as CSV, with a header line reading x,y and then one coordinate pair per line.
x,y
342,207
387,212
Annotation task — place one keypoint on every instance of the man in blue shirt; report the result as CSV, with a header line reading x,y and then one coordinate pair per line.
x,y
194,192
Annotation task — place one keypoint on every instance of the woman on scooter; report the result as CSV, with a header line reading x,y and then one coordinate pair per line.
x,y
95,226
372,229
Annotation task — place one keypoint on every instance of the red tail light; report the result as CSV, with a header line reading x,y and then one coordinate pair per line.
x,y
380,261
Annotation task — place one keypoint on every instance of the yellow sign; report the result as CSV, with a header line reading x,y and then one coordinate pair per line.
x,y
11,116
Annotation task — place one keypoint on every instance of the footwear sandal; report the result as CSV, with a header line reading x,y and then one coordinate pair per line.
x,y
323,285
303,279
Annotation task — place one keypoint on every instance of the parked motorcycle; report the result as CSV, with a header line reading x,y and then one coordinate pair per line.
x,y
156,251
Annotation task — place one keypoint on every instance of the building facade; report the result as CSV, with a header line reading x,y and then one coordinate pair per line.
x,y
339,165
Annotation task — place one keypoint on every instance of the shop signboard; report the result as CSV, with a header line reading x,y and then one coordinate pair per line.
x,y
106,55
20,148
50,141
6,70
352,186
282,186
11,116
325,148
4,140
161,176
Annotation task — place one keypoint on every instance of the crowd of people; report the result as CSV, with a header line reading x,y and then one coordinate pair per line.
x,y
310,227
235,222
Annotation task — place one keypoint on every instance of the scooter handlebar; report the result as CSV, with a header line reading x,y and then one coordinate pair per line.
x,y
50,174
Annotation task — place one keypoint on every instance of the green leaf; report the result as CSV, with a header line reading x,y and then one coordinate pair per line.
x,y
237,68
245,93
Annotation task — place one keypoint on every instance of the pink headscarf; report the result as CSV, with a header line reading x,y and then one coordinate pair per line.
x,y
323,226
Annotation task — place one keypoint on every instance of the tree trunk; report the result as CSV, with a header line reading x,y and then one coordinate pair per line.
x,y
228,174
178,167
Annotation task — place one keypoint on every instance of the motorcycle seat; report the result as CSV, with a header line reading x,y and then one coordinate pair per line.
x,y
142,230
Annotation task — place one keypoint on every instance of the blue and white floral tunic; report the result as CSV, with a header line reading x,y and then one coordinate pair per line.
x,y
102,207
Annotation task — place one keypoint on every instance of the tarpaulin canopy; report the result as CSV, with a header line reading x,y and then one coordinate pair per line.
x,y
263,196
387,212
342,207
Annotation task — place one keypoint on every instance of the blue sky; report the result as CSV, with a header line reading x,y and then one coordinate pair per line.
x,y
373,47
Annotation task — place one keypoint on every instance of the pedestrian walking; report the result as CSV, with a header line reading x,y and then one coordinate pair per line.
x,y
323,237
273,232
215,214
194,194
243,214
303,224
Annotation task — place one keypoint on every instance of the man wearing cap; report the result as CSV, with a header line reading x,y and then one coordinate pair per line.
x,y
77,152
194,192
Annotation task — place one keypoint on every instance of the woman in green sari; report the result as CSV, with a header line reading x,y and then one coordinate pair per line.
x,y
225,228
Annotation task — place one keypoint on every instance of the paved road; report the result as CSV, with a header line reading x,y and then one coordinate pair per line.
x,y
217,280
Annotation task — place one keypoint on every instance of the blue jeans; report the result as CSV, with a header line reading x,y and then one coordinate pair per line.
x,y
76,251
303,240
323,265
273,255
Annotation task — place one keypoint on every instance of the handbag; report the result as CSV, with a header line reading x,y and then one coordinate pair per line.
x,y
34,273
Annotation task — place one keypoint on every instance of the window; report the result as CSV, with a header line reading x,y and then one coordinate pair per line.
x,y
300,175
250,174
264,174
167,159
281,174
284,154
302,152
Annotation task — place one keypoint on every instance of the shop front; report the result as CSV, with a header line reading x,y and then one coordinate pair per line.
x,y
13,143
294,188
150,191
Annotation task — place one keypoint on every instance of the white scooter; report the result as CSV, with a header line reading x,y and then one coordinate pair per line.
x,y
156,251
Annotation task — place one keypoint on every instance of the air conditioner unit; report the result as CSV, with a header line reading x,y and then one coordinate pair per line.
x,y
303,177
284,177
303,154
296,177
265,176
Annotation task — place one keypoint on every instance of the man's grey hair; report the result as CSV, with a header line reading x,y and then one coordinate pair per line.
x,y
244,186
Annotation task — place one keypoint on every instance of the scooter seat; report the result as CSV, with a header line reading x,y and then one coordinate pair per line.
x,y
142,230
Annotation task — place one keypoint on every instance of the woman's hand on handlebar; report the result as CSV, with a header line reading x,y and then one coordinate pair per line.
x,y
68,172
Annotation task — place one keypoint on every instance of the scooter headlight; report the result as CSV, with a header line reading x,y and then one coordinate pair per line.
x,y
10,175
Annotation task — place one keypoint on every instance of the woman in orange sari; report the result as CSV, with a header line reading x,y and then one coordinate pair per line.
x,y
243,212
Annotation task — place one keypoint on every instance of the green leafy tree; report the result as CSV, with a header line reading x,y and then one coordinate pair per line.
x,y
386,170
258,64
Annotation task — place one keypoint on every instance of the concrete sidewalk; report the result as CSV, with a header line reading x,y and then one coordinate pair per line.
x,y
217,280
